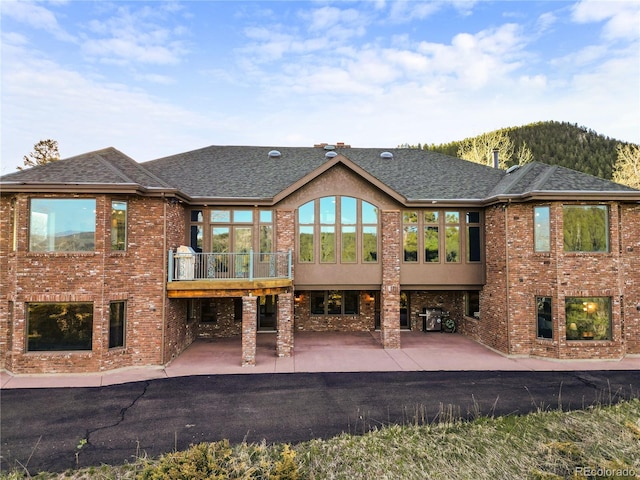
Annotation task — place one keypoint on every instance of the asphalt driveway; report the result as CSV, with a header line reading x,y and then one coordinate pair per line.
x,y
42,427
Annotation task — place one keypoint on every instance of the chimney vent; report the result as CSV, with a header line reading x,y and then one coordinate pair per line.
x,y
496,160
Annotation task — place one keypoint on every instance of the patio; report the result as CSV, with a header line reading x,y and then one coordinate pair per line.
x,y
326,352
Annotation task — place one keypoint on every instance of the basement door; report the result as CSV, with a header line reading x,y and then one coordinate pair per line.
x,y
267,313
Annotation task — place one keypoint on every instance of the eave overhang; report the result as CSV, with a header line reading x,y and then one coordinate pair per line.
x,y
92,188
571,195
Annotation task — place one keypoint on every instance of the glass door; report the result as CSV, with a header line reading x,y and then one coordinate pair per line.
x,y
242,244
267,316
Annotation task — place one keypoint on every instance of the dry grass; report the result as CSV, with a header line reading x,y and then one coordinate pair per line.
x,y
543,445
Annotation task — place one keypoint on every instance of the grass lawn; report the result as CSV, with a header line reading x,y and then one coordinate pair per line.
x,y
595,443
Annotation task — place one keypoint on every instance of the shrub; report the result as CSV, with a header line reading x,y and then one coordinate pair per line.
x,y
219,461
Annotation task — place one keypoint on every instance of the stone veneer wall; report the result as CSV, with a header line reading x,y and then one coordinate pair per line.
x,y
306,322
225,325
449,301
136,275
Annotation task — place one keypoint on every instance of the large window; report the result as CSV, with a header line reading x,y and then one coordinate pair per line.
x,y
59,326
435,236
118,225
541,229
545,320
335,302
588,318
117,323
586,228
337,229
62,225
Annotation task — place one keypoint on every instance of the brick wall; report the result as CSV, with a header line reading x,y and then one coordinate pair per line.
x,y
284,336
136,275
556,274
179,333
249,330
630,281
493,297
390,291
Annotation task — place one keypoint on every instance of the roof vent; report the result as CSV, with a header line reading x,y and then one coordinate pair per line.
x,y
329,147
331,154
274,154
513,168
386,155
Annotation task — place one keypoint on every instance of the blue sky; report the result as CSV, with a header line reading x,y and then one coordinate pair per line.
x,y
157,78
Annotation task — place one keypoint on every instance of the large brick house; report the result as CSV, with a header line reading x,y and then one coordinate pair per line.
x,y
108,263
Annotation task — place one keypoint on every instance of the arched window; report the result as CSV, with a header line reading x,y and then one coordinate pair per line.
x,y
338,229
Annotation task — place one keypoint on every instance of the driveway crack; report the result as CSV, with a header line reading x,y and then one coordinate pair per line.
x,y
122,414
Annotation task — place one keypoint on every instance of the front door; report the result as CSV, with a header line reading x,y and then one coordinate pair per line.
x,y
267,313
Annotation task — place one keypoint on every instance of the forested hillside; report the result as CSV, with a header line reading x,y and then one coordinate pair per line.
x,y
556,143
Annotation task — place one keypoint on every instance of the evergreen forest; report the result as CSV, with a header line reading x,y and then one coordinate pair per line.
x,y
555,143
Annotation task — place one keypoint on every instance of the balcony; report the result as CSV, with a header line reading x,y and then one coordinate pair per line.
x,y
192,275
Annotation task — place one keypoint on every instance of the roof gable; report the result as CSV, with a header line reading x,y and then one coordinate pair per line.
x,y
103,167
538,178
250,173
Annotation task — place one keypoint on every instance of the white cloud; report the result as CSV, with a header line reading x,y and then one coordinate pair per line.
x,y
35,16
621,18
134,36
41,99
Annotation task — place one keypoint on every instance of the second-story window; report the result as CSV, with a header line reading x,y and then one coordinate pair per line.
x,y
118,225
436,236
337,229
62,225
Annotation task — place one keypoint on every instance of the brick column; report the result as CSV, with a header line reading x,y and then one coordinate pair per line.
x,y
390,293
284,336
249,330
285,231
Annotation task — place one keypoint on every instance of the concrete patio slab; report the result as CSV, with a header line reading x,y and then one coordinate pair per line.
x,y
326,352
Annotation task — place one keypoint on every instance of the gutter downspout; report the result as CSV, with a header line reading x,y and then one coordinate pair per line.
x,y
506,254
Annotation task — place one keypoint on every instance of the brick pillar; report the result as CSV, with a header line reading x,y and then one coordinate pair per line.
x,y
249,330
285,231
284,336
390,293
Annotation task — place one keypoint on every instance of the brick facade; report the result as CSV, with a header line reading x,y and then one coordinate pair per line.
x,y
390,292
136,275
284,336
516,275
249,330
158,328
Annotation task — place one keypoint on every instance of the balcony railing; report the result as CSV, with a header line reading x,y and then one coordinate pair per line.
x,y
189,266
